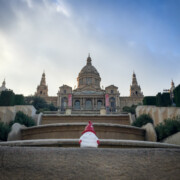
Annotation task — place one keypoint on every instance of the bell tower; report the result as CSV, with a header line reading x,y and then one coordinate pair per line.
x,y
135,89
42,89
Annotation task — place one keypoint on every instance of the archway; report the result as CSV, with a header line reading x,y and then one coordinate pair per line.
x,y
88,104
64,103
77,104
99,104
112,104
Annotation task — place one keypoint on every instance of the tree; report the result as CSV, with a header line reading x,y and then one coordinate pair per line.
x,y
131,109
177,96
7,98
163,100
149,100
19,99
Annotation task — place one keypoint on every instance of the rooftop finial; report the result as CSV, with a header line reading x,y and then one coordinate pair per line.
x,y
4,83
43,73
89,60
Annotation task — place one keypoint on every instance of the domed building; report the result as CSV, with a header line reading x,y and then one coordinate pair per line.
x,y
89,97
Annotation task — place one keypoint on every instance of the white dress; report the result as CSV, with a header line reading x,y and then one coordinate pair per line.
x,y
89,139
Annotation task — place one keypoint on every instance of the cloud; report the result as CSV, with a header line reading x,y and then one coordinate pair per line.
x,y
56,36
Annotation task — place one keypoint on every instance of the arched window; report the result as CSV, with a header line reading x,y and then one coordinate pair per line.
x,y
99,104
112,104
77,104
88,104
64,103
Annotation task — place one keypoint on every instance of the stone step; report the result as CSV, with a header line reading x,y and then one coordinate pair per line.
x,y
104,143
89,163
116,119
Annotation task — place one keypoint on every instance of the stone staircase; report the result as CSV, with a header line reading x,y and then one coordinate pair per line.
x,y
123,119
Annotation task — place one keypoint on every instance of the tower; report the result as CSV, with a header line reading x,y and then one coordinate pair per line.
x,y
42,89
3,87
135,89
172,87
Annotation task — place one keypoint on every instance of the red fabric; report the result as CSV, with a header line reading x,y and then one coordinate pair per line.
x,y
80,141
98,142
89,128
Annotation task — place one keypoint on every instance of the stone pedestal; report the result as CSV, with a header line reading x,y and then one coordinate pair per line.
x,y
68,111
102,111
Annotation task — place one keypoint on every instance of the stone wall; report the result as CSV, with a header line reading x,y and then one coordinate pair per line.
x,y
7,113
159,114
51,99
129,101
174,139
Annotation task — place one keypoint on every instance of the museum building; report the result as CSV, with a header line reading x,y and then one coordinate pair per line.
x,y
89,97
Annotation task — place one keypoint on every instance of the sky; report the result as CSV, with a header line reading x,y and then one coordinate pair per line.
x,y
121,36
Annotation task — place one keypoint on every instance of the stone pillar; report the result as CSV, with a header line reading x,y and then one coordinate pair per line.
x,y
84,103
93,103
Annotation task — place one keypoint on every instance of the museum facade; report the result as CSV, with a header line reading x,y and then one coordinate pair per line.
x,y
89,96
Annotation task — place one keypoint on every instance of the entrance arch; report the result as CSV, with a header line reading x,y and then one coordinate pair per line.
x,y
77,104
112,104
88,104
99,104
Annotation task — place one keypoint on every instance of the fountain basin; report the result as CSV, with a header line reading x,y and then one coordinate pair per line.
x,y
74,130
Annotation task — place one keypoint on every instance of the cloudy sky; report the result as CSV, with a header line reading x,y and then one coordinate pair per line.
x,y
122,36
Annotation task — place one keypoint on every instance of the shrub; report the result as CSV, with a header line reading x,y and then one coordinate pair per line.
x,y
131,109
23,119
4,130
149,100
142,120
169,127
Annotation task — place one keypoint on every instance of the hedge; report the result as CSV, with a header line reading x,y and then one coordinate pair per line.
x,y
149,100
8,98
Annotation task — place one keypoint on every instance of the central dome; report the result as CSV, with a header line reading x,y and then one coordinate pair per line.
x,y
89,78
89,68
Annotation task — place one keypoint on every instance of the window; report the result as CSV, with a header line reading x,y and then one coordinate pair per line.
x,y
80,81
88,104
112,91
77,104
64,91
88,80
99,104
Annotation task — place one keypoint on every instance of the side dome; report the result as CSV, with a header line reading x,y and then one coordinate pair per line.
x,y
89,78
